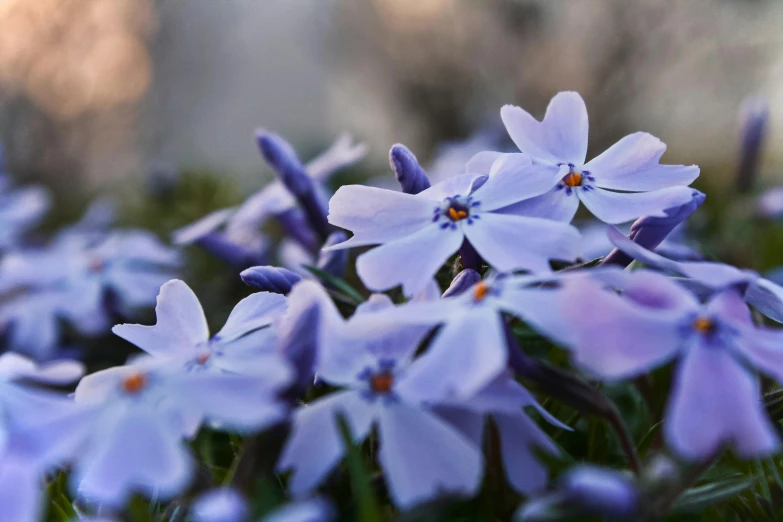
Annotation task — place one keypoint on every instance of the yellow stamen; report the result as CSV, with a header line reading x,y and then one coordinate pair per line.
x,y
703,325
480,291
573,179
457,215
134,382
382,382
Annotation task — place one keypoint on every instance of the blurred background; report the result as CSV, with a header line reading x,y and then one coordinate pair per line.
x,y
123,96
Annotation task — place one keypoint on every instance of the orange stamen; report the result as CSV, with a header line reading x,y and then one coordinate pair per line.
x,y
134,382
457,215
382,382
480,291
573,179
703,325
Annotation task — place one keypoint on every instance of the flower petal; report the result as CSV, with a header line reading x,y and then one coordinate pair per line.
x,y
560,137
238,402
511,182
181,324
315,445
481,163
632,164
198,229
135,450
514,242
614,337
340,154
21,488
619,207
766,297
715,401
251,313
520,438
377,215
555,204
411,261
423,457
466,354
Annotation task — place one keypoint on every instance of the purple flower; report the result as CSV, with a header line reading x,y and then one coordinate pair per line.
x,y
26,413
245,345
715,397
128,431
418,233
623,183
705,277
469,350
370,358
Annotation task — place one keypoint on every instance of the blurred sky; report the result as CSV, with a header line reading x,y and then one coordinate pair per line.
x,y
104,91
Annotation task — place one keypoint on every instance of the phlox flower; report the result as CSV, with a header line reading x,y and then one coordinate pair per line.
x,y
25,414
705,277
128,431
421,455
418,233
715,396
245,345
623,183
469,350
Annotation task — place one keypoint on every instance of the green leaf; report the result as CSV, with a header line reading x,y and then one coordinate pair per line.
x,y
701,497
367,504
337,283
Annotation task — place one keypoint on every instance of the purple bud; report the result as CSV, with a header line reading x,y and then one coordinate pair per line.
x,y
650,232
409,173
299,343
270,279
216,244
333,261
754,118
600,492
462,282
282,157
294,224
470,258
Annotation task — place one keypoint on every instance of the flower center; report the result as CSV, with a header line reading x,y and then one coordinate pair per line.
x,y
458,212
202,358
382,382
703,325
573,179
480,291
134,383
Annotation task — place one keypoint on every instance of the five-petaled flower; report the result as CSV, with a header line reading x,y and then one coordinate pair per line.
x,y
418,233
623,183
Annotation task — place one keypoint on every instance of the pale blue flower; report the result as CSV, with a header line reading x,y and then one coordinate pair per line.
x,y
715,399
623,183
369,358
418,233
220,505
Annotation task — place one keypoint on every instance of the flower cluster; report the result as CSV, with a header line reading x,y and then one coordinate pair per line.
x,y
423,383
